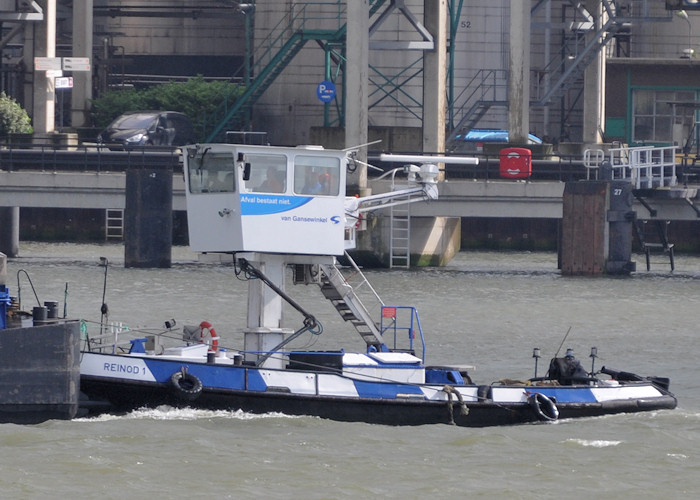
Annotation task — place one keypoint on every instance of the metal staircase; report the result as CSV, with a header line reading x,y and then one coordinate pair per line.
x,y
336,288
489,88
568,76
229,114
486,89
582,44
617,15
272,55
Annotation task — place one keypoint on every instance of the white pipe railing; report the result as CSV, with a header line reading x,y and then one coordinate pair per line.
x,y
646,167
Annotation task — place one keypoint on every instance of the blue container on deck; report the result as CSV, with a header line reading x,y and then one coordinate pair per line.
x,y
440,375
4,302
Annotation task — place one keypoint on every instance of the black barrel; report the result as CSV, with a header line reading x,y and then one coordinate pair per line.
x,y
51,309
39,314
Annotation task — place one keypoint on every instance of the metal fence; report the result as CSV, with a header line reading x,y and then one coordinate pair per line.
x,y
88,159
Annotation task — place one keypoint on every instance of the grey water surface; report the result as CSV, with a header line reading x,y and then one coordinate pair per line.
x,y
485,309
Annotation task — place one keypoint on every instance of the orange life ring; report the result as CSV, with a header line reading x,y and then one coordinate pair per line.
x,y
205,325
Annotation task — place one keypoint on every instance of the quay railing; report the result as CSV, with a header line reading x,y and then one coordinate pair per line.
x,y
87,159
545,167
646,167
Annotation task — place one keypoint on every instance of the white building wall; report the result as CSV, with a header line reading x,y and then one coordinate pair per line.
x,y
290,106
391,68
174,35
666,39
482,46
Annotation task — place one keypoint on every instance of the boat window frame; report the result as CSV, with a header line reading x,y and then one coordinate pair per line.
x,y
325,168
268,173
203,179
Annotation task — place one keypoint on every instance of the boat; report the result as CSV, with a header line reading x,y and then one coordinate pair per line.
x,y
271,209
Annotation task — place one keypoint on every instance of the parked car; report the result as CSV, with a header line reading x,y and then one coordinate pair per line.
x,y
473,141
148,128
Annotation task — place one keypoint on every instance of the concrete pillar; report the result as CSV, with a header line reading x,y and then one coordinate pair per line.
x,y
9,231
594,84
44,91
436,248
435,77
597,228
148,217
356,82
434,242
40,373
519,71
82,47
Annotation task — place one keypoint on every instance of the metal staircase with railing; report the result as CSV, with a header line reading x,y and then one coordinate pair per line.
x,y
572,71
488,88
307,21
591,38
338,290
271,58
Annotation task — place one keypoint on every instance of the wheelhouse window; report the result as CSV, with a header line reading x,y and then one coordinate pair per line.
x,y
316,175
212,173
268,174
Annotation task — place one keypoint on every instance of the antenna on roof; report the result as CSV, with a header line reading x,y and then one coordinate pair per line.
x,y
355,148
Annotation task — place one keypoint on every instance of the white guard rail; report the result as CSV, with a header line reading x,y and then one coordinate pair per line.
x,y
644,166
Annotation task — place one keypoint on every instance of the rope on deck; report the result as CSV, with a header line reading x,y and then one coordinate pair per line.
x,y
449,390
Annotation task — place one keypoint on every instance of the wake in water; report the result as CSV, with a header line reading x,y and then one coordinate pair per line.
x,y
171,413
595,443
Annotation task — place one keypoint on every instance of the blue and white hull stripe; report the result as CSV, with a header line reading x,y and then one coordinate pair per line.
x,y
244,378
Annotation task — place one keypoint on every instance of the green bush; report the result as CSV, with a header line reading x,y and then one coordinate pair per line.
x,y
13,119
115,103
196,98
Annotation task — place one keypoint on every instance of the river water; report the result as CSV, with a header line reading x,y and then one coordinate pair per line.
x,y
484,309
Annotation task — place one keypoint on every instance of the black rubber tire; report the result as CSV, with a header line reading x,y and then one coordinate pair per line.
x,y
545,409
185,386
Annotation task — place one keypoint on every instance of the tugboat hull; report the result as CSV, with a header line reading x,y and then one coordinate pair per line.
x,y
338,397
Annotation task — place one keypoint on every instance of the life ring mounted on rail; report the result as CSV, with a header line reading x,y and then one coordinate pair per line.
x,y
205,325
545,409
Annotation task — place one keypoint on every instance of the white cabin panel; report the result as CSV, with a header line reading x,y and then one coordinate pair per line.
x,y
266,199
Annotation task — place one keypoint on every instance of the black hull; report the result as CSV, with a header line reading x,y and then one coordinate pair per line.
x,y
36,413
39,373
124,396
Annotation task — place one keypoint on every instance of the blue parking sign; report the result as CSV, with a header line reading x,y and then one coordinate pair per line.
x,y
325,91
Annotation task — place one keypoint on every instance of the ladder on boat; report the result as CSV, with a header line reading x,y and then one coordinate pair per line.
x,y
114,224
337,289
400,231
